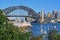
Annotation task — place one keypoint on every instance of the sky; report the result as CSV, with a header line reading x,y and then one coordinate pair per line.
x,y
37,5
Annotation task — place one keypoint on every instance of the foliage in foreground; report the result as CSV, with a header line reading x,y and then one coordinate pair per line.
x,y
53,35
9,31
36,38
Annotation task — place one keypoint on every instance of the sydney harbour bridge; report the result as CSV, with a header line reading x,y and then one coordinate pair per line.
x,y
31,13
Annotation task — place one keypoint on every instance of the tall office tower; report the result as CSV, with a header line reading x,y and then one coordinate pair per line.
x,y
55,14
49,15
59,15
39,14
42,16
45,15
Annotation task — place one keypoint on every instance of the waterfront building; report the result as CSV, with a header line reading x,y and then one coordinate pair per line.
x,y
39,14
59,15
45,16
11,21
49,17
18,20
14,20
55,14
52,21
22,24
42,16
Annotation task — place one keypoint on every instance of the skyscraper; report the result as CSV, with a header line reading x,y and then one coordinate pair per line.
x,y
49,15
42,16
55,14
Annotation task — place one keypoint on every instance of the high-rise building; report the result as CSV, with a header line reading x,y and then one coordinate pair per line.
x,y
59,15
55,14
42,16
49,15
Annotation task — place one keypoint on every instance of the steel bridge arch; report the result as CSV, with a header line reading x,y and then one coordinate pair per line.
x,y
29,10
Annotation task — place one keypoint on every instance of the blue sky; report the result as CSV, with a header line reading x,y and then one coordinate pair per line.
x,y
37,5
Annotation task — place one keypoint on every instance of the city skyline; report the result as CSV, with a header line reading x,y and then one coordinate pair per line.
x,y
37,5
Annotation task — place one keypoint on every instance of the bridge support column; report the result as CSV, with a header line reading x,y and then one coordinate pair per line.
x,y
25,18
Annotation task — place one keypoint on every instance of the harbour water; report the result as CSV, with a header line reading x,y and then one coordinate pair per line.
x,y
36,27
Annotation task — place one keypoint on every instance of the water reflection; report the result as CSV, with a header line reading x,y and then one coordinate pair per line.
x,y
38,29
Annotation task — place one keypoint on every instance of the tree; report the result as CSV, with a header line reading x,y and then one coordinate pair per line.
x,y
53,35
9,31
36,38
3,18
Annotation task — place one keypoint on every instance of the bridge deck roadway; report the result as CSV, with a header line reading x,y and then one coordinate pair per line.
x,y
20,16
